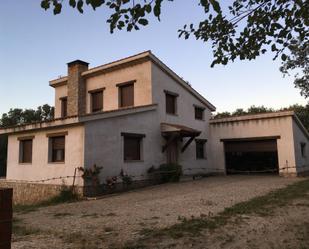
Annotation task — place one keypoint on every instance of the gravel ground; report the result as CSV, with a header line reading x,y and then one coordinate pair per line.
x,y
113,220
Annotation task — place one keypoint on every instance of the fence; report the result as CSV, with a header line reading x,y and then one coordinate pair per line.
x,y
6,215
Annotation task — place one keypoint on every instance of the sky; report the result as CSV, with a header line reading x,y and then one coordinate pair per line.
x,y
35,46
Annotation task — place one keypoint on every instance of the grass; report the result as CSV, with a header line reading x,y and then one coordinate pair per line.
x,y
66,195
262,206
22,230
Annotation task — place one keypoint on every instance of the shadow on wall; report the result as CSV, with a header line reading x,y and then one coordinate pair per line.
x,y
3,154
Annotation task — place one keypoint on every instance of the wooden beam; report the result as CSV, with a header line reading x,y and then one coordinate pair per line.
x,y
169,142
187,144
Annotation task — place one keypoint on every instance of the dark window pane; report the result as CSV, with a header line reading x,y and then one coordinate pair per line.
x,y
64,107
58,149
97,101
200,149
132,149
26,151
199,113
126,97
170,104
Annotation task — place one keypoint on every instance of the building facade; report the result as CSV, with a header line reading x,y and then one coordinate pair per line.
x,y
136,113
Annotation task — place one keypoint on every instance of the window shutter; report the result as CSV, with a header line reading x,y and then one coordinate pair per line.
x,y
199,113
64,107
132,150
127,95
97,101
170,104
27,151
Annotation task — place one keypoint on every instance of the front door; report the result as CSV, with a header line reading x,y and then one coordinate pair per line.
x,y
172,152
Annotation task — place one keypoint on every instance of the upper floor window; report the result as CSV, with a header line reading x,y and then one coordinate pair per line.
x,y
199,112
132,145
96,100
57,149
64,107
303,149
126,94
25,150
200,148
171,102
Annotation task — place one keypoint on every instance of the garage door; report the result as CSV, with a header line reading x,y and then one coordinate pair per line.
x,y
254,156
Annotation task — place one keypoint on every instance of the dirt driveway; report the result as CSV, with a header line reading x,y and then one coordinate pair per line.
x,y
110,222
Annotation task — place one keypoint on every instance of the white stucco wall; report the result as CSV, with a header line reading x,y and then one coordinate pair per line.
x,y
40,168
302,163
104,144
279,126
142,87
185,116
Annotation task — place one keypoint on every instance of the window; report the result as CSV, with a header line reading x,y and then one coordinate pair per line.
x,y
126,95
170,102
97,101
303,149
25,151
57,149
200,149
199,113
132,146
64,107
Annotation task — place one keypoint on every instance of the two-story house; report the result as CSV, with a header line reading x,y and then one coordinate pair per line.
x,y
135,113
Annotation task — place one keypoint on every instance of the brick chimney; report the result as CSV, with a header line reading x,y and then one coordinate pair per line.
x,y
76,88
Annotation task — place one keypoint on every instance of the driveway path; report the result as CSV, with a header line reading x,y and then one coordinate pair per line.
x,y
116,219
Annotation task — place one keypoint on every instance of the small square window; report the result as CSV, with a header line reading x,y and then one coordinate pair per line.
x,y
57,149
199,113
200,149
25,151
303,149
132,144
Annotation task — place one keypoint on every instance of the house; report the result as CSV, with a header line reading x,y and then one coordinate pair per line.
x,y
135,113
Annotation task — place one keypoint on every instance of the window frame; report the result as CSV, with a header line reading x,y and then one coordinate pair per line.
x,y
202,109
203,143
175,98
303,147
91,92
22,141
120,87
64,111
51,137
139,138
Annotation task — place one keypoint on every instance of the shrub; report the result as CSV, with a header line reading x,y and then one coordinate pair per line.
x,y
168,172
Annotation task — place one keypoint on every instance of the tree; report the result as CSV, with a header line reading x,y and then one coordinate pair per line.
x,y
245,30
19,116
299,61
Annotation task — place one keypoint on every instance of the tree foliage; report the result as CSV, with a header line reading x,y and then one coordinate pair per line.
x,y
302,112
298,61
19,116
246,29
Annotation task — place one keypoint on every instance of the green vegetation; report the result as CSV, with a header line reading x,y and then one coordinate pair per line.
x,y
66,195
168,172
262,206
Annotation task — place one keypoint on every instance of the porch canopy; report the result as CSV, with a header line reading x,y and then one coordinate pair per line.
x,y
172,132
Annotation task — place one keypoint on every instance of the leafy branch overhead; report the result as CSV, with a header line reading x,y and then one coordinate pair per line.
x,y
243,30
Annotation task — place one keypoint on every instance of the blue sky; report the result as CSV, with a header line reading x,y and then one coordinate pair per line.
x,y
36,45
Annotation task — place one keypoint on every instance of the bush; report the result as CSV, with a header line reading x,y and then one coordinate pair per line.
x,y
168,172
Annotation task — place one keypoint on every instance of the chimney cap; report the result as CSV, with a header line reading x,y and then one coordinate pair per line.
x,y
72,63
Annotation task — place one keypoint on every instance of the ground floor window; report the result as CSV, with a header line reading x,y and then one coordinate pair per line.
x,y
132,146
200,148
57,149
25,151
